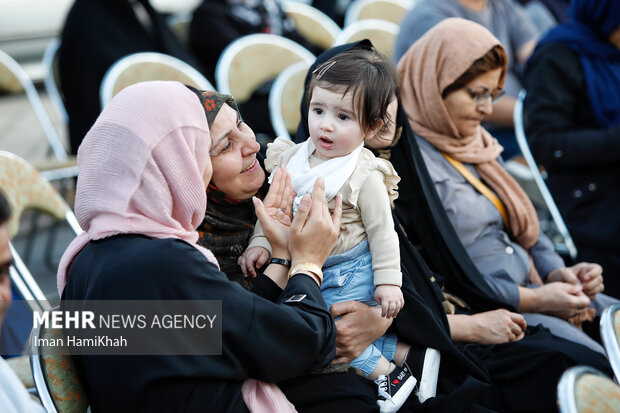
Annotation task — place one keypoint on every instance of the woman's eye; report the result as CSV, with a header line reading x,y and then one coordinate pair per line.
x,y
343,117
227,147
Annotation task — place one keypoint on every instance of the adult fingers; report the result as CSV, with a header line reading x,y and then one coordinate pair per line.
x,y
519,320
319,204
261,213
274,187
344,307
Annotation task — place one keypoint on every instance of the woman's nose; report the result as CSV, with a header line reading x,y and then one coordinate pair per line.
x,y
250,146
486,107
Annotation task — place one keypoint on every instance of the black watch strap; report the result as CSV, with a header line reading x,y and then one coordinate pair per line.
x,y
281,261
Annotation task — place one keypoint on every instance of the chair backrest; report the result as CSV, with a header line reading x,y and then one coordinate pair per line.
x,y
568,243
381,33
52,80
314,25
584,389
252,60
285,99
54,374
179,24
145,66
24,188
610,335
14,79
391,10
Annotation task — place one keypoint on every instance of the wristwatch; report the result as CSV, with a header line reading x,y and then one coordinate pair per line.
x,y
307,267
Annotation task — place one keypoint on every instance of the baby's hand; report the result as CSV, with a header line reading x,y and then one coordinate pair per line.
x,y
252,258
390,298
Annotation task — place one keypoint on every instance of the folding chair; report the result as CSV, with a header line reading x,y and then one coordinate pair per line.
x,y
584,389
248,62
285,99
24,187
314,25
14,79
52,80
54,374
179,24
563,241
381,33
391,10
145,66
610,335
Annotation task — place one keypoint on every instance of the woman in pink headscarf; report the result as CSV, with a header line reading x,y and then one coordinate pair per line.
x,y
144,167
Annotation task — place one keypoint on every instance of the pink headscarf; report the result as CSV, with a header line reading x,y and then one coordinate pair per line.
x,y
141,167
141,172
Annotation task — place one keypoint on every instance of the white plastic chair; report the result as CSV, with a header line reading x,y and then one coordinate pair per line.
x,y
179,24
285,99
252,60
610,335
568,245
390,10
381,33
25,188
583,389
314,25
14,79
145,66
52,80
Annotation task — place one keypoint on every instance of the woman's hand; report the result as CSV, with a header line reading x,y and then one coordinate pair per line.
x,y
314,230
275,213
588,275
252,258
559,299
491,327
390,298
358,327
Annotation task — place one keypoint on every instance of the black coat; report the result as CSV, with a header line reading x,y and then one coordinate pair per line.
x,y
582,160
260,339
96,34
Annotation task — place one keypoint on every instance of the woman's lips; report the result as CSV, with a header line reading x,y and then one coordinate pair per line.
x,y
252,168
325,143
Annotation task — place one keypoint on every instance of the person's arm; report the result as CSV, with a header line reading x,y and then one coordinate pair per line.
x,y
556,89
491,327
523,33
544,256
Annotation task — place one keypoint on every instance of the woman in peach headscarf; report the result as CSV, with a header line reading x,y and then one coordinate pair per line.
x,y
450,78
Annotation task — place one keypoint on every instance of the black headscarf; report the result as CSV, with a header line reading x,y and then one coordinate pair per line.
x,y
423,221
96,34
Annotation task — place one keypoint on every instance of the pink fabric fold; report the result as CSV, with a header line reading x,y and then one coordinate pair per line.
x,y
262,397
141,169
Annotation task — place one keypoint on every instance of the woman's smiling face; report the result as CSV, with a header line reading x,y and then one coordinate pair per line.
x,y
236,171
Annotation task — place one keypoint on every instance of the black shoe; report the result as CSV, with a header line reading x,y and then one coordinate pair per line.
x,y
394,389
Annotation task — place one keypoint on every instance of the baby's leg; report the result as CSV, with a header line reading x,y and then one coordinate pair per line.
x,y
384,367
402,351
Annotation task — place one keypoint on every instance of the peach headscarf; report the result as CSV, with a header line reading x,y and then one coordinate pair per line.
x,y
141,172
432,64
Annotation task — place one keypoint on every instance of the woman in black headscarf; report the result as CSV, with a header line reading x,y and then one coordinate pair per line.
x,y
517,361
96,34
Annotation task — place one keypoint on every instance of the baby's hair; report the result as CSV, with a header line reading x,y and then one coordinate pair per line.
x,y
369,75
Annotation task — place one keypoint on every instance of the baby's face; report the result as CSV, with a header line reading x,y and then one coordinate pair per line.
x,y
334,126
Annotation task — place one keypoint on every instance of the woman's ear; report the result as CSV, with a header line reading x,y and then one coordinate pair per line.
x,y
374,129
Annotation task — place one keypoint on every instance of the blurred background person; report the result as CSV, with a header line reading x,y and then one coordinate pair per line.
x,y
509,22
572,121
96,34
